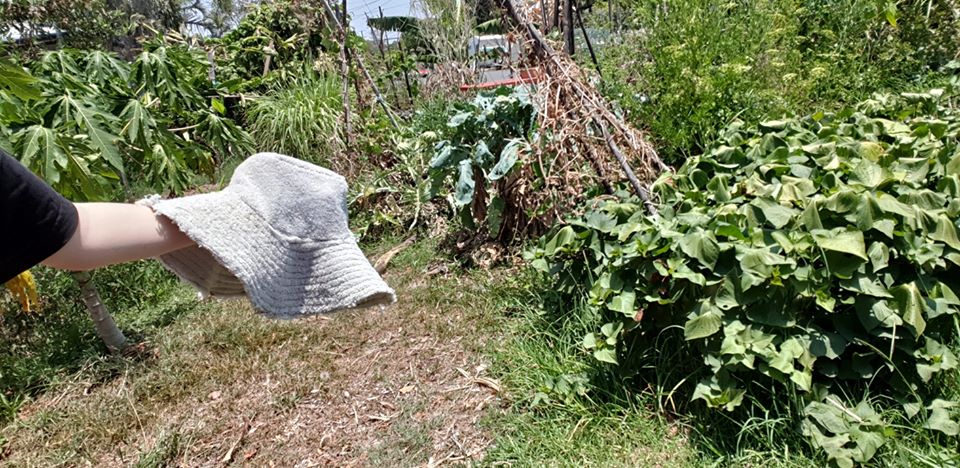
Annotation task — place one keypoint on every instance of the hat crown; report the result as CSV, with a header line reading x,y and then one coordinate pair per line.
x,y
295,198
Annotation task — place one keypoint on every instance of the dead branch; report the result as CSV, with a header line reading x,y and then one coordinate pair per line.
x,y
575,113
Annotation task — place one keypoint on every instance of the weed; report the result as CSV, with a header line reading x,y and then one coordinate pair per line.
x,y
301,118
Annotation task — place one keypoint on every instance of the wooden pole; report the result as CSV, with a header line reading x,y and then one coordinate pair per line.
x,y
268,58
568,26
543,14
555,19
383,55
366,74
345,78
406,77
586,39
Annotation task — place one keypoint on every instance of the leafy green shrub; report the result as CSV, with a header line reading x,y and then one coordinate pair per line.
x,y
817,255
694,66
302,118
479,148
290,33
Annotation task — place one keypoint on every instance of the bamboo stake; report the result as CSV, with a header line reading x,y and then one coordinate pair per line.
x,y
637,187
383,56
366,74
345,78
406,77
586,39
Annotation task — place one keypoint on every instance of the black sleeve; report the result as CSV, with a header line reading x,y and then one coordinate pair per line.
x,y
35,221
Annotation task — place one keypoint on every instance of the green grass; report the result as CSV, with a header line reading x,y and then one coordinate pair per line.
x,y
216,374
42,348
556,414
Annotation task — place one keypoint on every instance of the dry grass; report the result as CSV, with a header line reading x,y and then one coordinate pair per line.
x,y
403,386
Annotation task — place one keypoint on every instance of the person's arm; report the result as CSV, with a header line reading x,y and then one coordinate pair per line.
x,y
110,233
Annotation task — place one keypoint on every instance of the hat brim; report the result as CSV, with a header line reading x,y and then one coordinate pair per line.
x,y
239,253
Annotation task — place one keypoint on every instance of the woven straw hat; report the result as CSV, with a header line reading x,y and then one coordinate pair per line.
x,y
277,234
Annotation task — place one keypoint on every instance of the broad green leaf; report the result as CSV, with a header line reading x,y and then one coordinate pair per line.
x,y
868,173
702,325
563,238
795,189
827,344
590,341
218,106
442,157
879,255
828,416
600,221
611,331
463,194
624,303
760,262
100,138
933,357
874,313
777,214
841,240
889,204
910,305
719,392
42,143
17,81
870,151
606,355
458,119
701,245
940,417
811,216
946,232
508,159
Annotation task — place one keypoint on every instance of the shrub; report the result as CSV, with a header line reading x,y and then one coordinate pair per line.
x,y
695,65
814,254
481,144
507,182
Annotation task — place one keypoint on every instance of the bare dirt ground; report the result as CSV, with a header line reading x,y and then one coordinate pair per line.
x,y
404,386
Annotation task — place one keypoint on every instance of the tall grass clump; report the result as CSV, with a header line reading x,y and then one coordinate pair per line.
x,y
702,64
301,118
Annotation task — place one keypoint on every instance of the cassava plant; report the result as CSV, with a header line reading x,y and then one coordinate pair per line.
x,y
81,120
816,255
